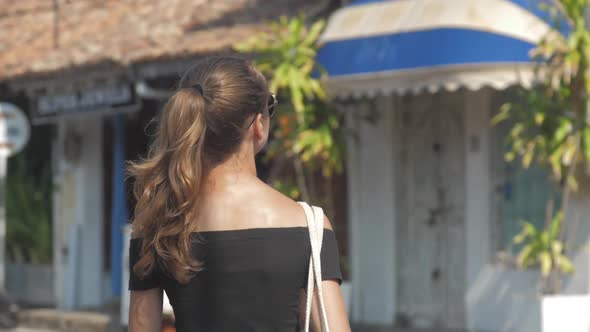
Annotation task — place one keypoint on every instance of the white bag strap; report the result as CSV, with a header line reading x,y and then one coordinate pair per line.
x,y
310,277
315,224
319,222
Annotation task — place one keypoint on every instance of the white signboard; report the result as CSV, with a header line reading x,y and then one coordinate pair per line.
x,y
14,130
106,99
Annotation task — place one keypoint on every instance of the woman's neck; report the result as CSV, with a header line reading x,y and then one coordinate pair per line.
x,y
237,169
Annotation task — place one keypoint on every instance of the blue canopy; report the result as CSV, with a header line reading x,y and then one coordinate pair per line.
x,y
389,46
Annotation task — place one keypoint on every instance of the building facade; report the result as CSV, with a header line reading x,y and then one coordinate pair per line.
x,y
96,73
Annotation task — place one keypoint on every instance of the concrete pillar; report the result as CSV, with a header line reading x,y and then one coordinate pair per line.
x,y
372,218
478,191
78,212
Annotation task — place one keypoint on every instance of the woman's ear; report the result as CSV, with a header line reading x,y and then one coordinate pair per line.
x,y
261,129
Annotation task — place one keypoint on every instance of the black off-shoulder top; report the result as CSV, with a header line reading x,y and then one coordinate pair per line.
x,y
251,279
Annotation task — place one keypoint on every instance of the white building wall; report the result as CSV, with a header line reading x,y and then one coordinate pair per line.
x,y
370,167
477,183
504,299
498,297
78,213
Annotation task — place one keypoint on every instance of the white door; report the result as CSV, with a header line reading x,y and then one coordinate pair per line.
x,y
430,229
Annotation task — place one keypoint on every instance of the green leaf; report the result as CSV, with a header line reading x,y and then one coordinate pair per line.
x,y
556,248
539,118
510,156
503,114
530,229
586,140
526,256
528,155
564,264
546,263
562,131
314,32
287,55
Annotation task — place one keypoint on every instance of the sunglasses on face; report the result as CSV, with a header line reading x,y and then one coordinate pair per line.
x,y
273,103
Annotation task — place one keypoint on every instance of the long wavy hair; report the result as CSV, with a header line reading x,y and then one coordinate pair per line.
x,y
202,124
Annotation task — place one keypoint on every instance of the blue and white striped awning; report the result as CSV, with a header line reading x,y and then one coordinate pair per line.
x,y
387,46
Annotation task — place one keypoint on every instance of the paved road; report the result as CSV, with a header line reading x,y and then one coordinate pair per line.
x,y
358,328
25,329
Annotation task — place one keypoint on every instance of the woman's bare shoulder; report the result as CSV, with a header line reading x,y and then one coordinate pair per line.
x,y
282,210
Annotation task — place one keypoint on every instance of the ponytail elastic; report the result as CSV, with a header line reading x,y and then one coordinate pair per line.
x,y
198,88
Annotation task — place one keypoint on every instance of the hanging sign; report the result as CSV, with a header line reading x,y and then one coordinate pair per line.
x,y
105,99
15,130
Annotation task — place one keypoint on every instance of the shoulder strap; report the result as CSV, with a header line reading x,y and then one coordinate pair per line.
x,y
319,223
315,225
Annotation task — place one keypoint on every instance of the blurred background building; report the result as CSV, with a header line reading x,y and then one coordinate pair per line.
x,y
431,208
91,75
431,200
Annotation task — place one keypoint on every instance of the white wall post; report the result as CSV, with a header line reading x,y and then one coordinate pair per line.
x,y
78,211
477,189
354,219
373,225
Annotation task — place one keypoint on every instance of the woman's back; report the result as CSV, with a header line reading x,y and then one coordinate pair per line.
x,y
254,272
231,253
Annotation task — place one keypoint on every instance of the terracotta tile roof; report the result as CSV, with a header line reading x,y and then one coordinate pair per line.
x,y
38,37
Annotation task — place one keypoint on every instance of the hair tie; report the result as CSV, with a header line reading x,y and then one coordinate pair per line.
x,y
199,88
